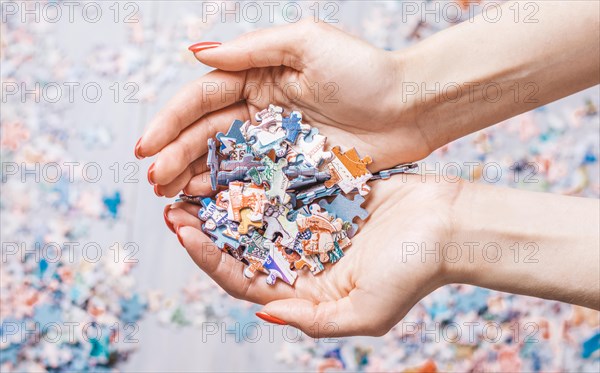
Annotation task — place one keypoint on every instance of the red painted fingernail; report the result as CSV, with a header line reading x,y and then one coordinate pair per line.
x,y
167,221
158,194
268,318
137,149
178,236
199,47
151,174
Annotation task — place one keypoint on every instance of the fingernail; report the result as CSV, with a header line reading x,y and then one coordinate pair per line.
x,y
137,149
151,174
199,47
167,221
158,194
178,236
268,318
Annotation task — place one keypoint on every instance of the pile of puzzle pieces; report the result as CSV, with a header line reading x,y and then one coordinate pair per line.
x,y
269,217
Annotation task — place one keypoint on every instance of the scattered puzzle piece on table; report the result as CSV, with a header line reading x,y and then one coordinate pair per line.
x,y
132,309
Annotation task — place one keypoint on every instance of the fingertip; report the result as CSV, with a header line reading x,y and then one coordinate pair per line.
x,y
138,149
168,221
269,318
200,49
183,234
180,217
196,48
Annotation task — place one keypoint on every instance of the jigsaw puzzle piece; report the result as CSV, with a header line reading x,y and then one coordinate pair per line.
x,y
327,233
213,163
221,237
311,134
293,126
346,209
132,309
234,136
226,177
311,262
256,252
246,221
307,196
313,152
243,196
304,176
349,171
237,170
212,214
277,223
276,179
247,161
278,267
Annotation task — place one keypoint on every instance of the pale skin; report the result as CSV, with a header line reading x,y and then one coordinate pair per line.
x,y
374,113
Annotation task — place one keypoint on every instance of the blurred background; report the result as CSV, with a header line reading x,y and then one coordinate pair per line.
x,y
92,279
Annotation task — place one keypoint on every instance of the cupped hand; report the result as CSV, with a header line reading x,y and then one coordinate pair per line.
x,y
343,86
371,288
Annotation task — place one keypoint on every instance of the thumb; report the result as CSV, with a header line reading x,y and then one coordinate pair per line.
x,y
339,318
277,46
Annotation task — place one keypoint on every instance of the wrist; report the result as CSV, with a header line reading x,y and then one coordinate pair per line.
x,y
526,243
421,103
407,111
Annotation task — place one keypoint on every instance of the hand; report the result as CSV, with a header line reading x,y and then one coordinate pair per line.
x,y
371,288
343,86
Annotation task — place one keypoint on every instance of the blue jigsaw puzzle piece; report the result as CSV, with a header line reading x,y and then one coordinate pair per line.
x,y
473,301
590,346
10,354
221,239
318,191
112,203
234,134
132,309
346,209
309,136
213,163
291,125
46,314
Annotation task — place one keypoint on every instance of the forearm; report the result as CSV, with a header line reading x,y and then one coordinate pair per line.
x,y
486,72
529,243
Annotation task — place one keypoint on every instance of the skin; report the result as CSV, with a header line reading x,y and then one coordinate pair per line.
x,y
558,57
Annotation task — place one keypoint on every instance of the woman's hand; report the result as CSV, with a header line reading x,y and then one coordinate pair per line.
x,y
423,233
372,287
343,86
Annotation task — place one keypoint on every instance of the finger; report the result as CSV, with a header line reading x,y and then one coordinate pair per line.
x,y
228,272
213,91
192,142
283,45
343,317
173,188
199,185
183,216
